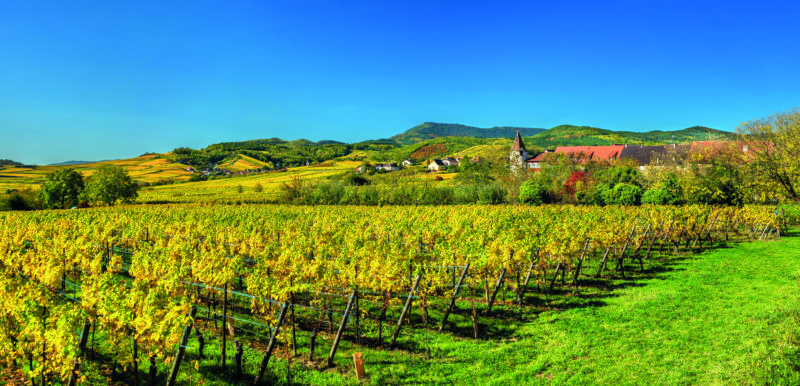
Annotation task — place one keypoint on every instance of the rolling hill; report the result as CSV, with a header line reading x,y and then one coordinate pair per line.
x,y
431,130
569,135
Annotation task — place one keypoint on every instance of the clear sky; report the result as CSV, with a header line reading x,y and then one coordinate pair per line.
x,y
91,80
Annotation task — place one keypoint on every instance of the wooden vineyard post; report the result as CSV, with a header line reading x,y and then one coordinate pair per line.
x,y
653,240
555,276
636,256
82,346
341,328
176,363
294,334
580,263
452,304
224,325
699,234
271,346
524,287
621,259
665,237
708,231
496,288
405,310
603,263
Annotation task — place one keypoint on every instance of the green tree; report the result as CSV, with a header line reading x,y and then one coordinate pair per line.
x,y
532,192
475,173
62,189
110,184
624,194
772,156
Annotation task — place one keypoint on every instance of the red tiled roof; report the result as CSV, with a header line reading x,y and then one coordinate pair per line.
x,y
596,153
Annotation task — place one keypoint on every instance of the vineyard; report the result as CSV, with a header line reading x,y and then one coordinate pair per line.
x,y
144,290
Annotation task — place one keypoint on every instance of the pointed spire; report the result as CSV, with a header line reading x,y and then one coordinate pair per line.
x,y
518,145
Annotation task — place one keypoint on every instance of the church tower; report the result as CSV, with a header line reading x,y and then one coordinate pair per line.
x,y
519,154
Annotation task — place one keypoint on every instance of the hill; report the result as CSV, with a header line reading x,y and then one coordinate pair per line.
x,y
8,162
569,135
428,149
67,163
431,130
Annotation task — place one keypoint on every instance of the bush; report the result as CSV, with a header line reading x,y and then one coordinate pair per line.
x,y
656,197
328,194
239,188
16,202
258,188
625,194
466,194
532,193
491,194
354,179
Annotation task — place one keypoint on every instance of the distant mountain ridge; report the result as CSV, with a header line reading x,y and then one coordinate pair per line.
x,y
431,130
66,163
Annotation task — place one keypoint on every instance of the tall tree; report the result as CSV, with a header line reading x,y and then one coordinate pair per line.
x,y
110,184
62,189
772,152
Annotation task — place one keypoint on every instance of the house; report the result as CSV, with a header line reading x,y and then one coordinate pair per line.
x,y
645,155
436,165
450,161
535,163
580,154
407,163
359,169
388,166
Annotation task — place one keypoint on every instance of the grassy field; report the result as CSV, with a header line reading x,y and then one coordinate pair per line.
x,y
725,316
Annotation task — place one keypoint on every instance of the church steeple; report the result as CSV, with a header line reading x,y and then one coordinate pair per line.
x,y
518,145
519,154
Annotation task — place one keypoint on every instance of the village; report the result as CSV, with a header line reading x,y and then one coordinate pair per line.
x,y
642,156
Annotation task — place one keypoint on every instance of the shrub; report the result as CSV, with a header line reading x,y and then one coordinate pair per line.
x,y
438,178
655,197
491,194
466,194
532,193
625,194
239,188
16,202
258,188
354,179
328,194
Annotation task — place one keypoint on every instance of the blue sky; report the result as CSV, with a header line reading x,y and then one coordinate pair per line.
x,y
94,80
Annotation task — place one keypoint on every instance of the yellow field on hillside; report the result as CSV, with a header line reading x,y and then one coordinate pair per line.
x,y
148,168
